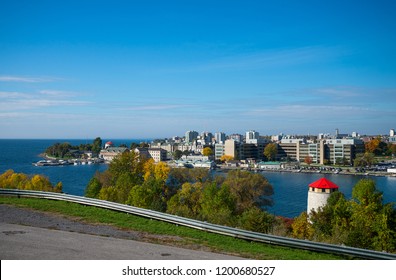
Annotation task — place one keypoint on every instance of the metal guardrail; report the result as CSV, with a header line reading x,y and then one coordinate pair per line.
x,y
224,230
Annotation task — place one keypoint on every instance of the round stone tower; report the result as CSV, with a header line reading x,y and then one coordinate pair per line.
x,y
318,193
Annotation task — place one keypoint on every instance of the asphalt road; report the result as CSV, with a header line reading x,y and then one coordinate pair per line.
x,y
32,235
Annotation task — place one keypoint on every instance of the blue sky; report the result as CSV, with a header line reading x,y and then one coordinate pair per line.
x,y
147,69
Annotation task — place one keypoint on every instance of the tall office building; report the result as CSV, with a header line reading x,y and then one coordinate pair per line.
x,y
191,136
250,135
220,137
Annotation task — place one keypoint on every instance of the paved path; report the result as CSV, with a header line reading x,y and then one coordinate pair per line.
x,y
29,234
26,242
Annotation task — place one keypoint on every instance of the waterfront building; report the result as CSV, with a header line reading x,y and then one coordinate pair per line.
x,y
392,133
231,148
219,150
170,148
157,154
340,150
318,193
332,150
110,152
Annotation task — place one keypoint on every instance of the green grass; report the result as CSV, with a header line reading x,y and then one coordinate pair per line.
x,y
184,237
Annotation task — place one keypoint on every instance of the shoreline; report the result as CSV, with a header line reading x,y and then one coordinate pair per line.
x,y
297,171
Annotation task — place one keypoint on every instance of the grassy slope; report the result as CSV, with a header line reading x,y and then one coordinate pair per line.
x,y
189,238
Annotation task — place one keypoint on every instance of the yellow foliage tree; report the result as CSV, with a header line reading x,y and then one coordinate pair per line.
x,y
161,171
148,168
12,180
207,151
302,228
226,158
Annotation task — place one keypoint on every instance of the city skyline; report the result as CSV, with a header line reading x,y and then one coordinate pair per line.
x,y
153,69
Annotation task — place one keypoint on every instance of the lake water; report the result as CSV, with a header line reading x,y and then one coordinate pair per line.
x,y
290,189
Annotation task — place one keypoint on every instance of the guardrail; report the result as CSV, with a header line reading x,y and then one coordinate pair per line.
x,y
224,230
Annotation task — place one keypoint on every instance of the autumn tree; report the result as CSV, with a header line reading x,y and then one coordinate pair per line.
x,y
308,160
12,180
270,151
376,146
226,158
207,151
302,228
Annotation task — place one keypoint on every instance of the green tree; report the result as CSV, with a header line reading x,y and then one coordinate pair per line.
x,y
148,195
255,219
365,193
97,145
93,188
217,204
249,189
270,151
364,160
177,154
186,202
128,162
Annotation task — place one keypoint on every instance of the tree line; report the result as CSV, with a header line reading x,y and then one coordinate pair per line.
x,y
236,199
239,199
21,181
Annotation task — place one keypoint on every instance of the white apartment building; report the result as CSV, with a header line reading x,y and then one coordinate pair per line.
x,y
219,150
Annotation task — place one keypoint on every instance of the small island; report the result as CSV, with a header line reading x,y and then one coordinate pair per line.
x,y
66,154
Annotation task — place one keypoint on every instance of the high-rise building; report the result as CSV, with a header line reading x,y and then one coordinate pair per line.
x,y
236,137
191,136
250,135
206,138
220,137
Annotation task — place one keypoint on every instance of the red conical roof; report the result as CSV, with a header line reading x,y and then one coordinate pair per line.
x,y
323,183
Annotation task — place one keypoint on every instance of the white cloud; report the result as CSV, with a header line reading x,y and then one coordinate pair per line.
x,y
155,107
15,101
264,59
12,95
57,93
27,79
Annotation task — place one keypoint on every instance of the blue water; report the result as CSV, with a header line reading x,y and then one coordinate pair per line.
x,y
290,189
19,155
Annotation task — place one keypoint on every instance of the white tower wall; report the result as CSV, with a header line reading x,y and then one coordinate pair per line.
x,y
316,200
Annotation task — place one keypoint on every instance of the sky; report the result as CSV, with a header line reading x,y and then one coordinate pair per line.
x,y
154,69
